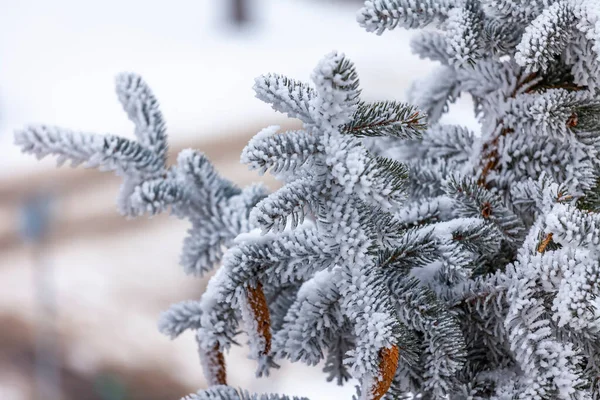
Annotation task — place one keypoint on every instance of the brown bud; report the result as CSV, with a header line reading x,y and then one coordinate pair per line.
x,y
486,210
573,120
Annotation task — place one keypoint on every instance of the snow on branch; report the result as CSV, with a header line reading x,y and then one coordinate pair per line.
x,y
108,153
285,95
386,119
280,152
142,108
180,317
379,15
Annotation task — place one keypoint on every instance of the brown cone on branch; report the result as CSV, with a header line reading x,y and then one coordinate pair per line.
x,y
388,363
260,311
213,363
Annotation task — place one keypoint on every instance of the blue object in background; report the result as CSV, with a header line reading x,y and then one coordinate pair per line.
x,y
36,213
110,387
35,223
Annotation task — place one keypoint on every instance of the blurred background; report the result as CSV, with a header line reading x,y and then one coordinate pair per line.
x,y
81,288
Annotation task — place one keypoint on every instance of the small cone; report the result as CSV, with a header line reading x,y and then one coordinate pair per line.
x,y
258,304
213,362
389,357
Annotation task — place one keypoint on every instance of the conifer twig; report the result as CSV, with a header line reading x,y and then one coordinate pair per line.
x,y
490,155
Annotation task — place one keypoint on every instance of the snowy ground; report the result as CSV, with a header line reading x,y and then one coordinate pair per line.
x,y
57,63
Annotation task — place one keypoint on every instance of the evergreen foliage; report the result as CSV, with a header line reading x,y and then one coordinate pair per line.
x,y
420,259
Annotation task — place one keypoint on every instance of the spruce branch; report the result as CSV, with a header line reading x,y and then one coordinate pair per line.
x,y
285,95
222,392
293,201
431,45
473,199
386,119
379,15
280,152
143,110
179,318
108,153
490,158
546,37
464,29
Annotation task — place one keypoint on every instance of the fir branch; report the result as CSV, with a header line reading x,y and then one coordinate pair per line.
x,y
473,201
490,156
464,28
415,249
280,299
285,95
155,196
338,93
500,36
431,45
180,317
228,393
108,153
204,184
334,360
591,200
313,321
299,253
546,37
143,110
425,179
391,175
202,249
451,143
379,15
435,94
291,201
477,237
386,119
280,152
419,307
